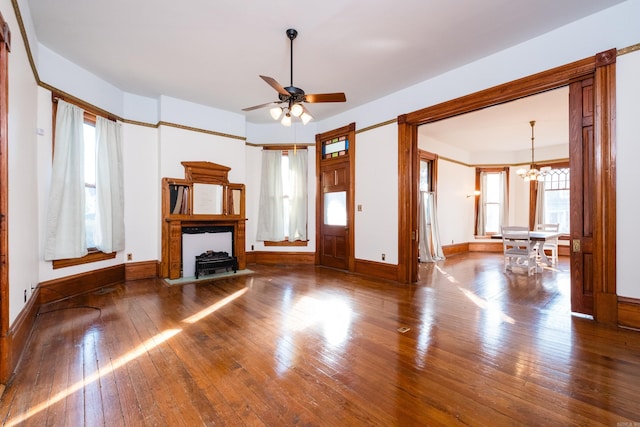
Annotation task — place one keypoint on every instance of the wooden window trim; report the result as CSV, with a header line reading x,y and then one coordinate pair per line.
x,y
286,243
94,255
433,158
284,147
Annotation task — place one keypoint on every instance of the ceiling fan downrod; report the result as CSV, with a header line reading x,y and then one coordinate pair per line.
x,y
292,34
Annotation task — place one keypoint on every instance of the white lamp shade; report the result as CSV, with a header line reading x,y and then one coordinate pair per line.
x,y
286,120
305,117
275,112
296,110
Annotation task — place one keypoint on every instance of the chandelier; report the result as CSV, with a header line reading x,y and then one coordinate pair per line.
x,y
531,174
293,109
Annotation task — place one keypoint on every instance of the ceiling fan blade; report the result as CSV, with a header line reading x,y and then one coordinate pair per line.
x,y
255,107
326,97
274,84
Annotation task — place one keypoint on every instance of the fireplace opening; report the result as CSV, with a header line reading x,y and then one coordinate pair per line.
x,y
205,239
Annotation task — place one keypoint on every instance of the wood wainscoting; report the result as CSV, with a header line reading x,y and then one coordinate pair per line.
x,y
629,312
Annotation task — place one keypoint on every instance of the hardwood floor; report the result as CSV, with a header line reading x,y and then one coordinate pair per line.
x,y
314,346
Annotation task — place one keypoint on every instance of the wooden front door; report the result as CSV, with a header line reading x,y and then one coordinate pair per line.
x,y
334,152
334,243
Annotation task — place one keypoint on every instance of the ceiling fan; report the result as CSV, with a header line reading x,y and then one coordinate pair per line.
x,y
293,97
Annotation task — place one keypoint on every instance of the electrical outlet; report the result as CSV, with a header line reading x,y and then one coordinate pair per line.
x,y
129,257
383,257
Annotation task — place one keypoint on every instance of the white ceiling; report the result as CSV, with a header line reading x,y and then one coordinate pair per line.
x,y
211,51
507,127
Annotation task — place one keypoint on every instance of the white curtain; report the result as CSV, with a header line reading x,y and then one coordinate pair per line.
x,y
65,227
270,210
539,216
109,187
429,245
504,200
298,195
481,200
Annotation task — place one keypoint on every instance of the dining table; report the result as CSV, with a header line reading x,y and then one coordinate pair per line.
x,y
539,237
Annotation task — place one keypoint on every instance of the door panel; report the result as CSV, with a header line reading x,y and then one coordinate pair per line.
x,y
334,248
335,154
582,163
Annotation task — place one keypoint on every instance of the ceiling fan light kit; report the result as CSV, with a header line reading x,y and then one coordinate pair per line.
x,y
292,97
276,112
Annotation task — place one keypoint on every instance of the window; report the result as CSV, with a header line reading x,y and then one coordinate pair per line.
x,y
491,203
85,218
89,128
491,207
282,218
557,198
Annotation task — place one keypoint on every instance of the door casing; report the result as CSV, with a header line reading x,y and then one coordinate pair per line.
x,y
601,68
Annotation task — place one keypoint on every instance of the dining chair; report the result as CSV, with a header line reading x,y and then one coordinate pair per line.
x,y
518,248
550,244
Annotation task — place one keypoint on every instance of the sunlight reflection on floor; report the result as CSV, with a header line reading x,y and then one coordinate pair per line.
x,y
141,349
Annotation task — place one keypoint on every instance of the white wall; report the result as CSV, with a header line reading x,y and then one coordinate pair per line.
x,y
22,159
178,145
628,173
142,206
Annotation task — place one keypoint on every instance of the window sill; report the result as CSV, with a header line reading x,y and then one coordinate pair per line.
x,y
93,256
287,243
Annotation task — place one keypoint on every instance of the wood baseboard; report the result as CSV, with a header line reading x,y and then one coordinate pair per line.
x,y
458,248
65,287
376,269
141,270
273,258
16,339
486,246
629,312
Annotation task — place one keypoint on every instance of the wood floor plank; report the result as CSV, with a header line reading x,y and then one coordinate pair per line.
x,y
305,345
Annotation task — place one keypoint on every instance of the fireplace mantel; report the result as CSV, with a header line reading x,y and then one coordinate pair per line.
x,y
216,203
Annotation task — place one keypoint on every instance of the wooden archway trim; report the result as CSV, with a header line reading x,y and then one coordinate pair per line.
x,y
5,347
601,67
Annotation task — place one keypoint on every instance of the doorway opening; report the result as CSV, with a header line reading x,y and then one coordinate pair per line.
x,y
483,150
591,84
